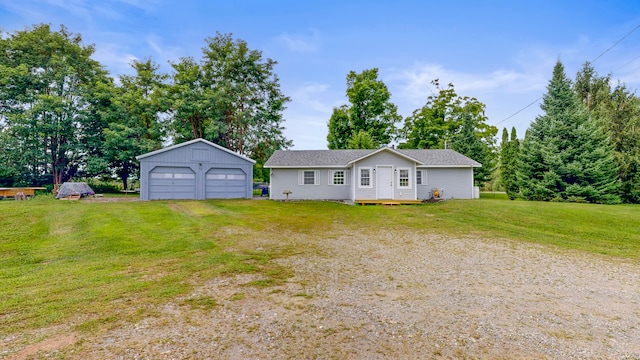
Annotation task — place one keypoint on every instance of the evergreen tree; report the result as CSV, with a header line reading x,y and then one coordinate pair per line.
x,y
621,116
592,89
618,113
508,162
566,155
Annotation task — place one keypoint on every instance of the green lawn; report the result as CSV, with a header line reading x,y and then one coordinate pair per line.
x,y
103,262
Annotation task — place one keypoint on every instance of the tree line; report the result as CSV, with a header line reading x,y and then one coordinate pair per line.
x,y
62,116
585,147
447,120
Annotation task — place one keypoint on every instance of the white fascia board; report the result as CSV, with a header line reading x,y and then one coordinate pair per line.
x,y
424,166
386,149
307,167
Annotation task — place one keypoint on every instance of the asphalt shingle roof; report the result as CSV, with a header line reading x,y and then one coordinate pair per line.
x,y
342,158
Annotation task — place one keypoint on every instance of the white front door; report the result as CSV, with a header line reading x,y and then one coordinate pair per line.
x,y
384,182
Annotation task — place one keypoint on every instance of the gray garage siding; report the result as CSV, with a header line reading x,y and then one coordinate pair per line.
x,y
180,172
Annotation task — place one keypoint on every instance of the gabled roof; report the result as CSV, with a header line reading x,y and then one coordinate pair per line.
x,y
314,158
389,150
345,158
199,140
440,157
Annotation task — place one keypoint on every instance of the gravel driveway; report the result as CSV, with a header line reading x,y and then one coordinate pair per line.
x,y
412,295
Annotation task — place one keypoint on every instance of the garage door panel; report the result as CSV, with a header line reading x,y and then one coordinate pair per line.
x,y
225,183
166,182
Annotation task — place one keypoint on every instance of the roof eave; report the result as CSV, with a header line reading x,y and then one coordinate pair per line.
x,y
159,151
449,166
305,166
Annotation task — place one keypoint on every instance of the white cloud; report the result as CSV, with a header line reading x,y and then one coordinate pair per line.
x,y
309,132
165,53
308,113
310,97
415,84
146,5
300,43
77,8
115,58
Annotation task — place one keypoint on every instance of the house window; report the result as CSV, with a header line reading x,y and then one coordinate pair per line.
x,y
364,175
308,177
403,179
421,177
338,177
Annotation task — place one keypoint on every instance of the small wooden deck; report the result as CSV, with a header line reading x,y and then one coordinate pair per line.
x,y
385,202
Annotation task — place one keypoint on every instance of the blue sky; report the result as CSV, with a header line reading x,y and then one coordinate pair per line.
x,y
501,52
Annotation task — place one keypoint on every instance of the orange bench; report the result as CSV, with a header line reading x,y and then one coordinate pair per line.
x,y
19,191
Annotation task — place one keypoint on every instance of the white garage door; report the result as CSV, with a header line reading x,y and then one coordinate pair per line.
x,y
167,182
226,184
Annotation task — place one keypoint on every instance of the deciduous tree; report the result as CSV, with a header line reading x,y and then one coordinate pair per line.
x,y
436,124
467,143
232,97
370,110
136,125
361,140
47,80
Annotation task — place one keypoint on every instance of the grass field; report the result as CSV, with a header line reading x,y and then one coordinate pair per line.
x,y
100,262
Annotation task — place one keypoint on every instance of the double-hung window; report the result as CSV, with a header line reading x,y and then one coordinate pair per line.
x,y
308,177
404,178
364,177
338,177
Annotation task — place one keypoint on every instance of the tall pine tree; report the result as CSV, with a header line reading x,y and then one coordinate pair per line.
x,y
566,156
508,161
618,111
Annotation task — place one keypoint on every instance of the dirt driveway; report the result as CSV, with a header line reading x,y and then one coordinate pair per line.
x,y
390,295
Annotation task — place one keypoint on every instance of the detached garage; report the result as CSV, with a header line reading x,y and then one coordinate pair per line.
x,y
197,169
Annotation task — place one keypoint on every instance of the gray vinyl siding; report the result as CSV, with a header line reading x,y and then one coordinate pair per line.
x,y
198,158
288,179
456,182
445,169
386,159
